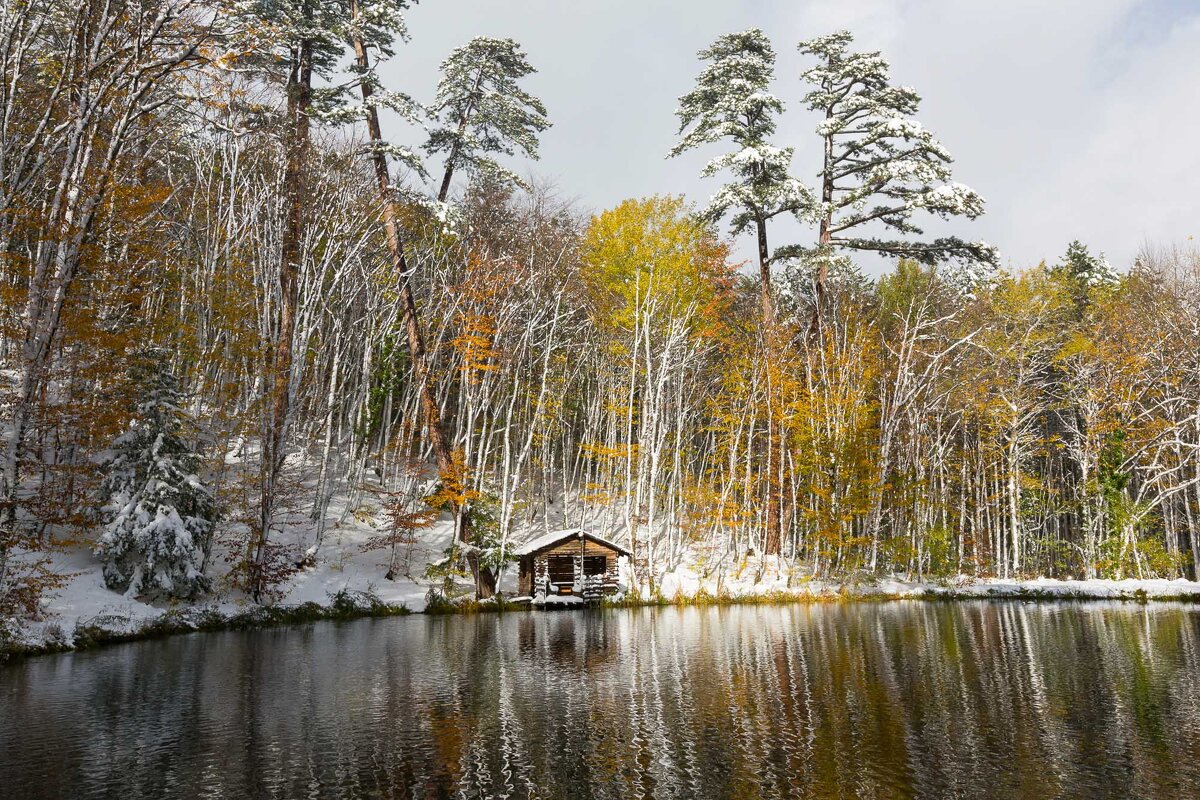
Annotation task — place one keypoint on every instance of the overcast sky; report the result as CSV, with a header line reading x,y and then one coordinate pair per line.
x,y
1073,118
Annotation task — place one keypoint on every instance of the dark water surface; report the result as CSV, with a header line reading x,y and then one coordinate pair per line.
x,y
906,699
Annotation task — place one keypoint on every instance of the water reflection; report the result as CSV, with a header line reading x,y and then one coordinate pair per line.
x,y
913,699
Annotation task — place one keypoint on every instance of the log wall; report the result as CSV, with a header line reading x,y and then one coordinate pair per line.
x,y
534,568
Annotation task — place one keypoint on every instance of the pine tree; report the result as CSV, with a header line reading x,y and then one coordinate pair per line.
x,y
732,103
159,515
1082,273
364,38
304,39
880,165
1086,269
481,110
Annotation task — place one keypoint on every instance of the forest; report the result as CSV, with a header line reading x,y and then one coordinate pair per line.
x,y
235,313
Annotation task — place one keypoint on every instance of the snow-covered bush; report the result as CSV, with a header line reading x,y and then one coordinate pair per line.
x,y
159,516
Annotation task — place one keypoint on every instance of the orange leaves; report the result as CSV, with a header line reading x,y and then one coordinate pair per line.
x,y
619,452
481,291
452,489
474,345
596,494
707,509
402,524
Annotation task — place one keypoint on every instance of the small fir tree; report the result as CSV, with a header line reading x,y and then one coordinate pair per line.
x,y
159,516
1083,275
1086,269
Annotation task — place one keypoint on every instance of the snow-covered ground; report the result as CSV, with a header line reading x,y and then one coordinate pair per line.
x,y
753,579
342,566
1128,589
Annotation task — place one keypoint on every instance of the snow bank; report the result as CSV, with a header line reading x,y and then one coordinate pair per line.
x,y
345,580
770,578
341,576
1128,589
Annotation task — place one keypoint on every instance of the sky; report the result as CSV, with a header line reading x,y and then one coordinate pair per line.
x,y
1075,119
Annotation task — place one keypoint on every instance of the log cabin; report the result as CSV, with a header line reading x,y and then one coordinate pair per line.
x,y
572,563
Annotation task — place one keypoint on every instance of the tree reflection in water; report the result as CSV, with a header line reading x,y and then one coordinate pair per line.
x,y
905,699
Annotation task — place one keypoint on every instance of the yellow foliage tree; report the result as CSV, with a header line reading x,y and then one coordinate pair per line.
x,y
647,262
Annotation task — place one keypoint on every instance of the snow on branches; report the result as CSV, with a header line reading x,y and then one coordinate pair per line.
x,y
480,110
732,102
880,165
159,515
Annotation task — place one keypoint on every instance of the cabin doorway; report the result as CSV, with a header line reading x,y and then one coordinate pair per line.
x,y
561,570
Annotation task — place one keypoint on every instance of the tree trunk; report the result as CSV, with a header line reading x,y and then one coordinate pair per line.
x,y
825,237
452,159
299,99
764,274
484,580
773,538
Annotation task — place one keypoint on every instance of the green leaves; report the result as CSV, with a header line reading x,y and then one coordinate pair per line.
x,y
732,103
481,110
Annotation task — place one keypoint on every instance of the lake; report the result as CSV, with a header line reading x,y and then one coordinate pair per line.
x,y
873,700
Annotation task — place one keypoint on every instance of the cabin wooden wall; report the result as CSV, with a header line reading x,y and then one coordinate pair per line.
x,y
533,568
572,548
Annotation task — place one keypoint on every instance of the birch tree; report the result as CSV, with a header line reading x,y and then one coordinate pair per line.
x,y
66,122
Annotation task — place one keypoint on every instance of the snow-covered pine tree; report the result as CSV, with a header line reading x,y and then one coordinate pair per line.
x,y
732,103
1083,273
159,515
880,165
1088,270
375,25
481,110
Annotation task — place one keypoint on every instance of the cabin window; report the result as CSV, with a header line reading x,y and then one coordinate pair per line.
x,y
561,569
595,565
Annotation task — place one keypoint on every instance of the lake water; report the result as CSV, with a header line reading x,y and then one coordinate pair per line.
x,y
872,700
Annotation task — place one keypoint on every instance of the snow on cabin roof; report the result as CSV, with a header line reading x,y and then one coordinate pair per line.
x,y
554,537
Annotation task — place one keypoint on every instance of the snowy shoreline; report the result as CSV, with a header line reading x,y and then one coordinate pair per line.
x,y
127,621
345,581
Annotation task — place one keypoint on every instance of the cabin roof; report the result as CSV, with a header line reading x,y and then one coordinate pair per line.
x,y
557,537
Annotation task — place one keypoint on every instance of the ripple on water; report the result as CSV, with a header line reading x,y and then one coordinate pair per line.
x,y
908,699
